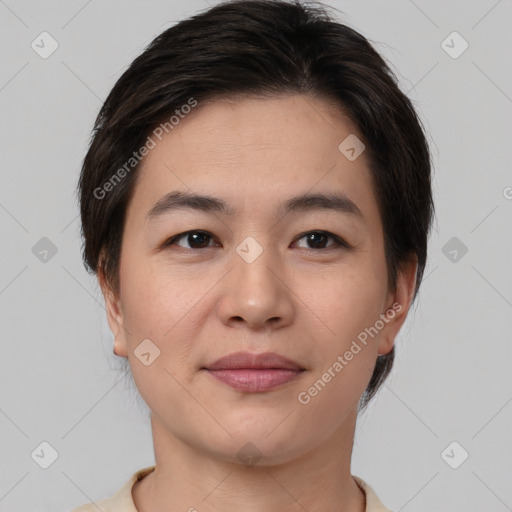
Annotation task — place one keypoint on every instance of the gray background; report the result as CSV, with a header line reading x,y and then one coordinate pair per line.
x,y
60,382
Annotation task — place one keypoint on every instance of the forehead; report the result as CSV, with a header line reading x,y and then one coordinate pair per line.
x,y
255,151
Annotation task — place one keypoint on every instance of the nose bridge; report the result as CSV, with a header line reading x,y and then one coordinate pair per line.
x,y
253,268
255,292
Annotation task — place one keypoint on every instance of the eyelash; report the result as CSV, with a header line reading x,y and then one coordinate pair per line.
x,y
338,242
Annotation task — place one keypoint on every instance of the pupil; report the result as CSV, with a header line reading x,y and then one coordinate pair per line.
x,y
195,239
311,239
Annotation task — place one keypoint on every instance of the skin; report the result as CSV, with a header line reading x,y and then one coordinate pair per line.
x,y
306,303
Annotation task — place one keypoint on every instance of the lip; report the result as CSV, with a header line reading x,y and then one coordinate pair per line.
x,y
248,361
254,372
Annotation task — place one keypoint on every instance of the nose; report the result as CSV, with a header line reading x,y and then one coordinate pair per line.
x,y
256,293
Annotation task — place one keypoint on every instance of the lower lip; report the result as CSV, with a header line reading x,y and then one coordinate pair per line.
x,y
255,381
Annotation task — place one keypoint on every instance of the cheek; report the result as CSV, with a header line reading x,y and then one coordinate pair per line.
x,y
345,358
155,299
347,300
164,305
155,308
357,306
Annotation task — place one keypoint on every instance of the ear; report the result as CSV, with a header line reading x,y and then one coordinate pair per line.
x,y
398,304
114,316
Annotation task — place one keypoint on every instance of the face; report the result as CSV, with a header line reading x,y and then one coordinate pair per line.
x,y
257,268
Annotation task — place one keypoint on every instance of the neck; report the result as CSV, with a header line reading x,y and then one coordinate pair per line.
x,y
188,479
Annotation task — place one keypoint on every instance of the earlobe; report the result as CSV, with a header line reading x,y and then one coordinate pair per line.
x,y
398,304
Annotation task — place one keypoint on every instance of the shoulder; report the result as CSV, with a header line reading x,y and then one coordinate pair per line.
x,y
121,501
373,503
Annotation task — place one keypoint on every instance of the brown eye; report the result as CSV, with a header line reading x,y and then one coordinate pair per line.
x,y
319,240
195,240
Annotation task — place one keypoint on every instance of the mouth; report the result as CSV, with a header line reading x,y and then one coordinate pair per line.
x,y
254,373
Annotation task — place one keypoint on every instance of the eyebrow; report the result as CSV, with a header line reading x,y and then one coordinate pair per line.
x,y
177,200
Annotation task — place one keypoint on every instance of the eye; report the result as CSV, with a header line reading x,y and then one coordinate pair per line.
x,y
195,239
201,240
318,239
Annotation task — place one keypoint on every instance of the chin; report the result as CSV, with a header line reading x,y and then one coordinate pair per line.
x,y
266,441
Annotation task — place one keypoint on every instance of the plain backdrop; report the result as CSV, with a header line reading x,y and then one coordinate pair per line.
x,y
450,394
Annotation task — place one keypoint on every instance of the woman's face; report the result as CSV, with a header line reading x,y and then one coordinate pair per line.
x,y
259,277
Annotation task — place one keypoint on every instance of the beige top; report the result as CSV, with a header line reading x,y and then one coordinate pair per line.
x,y
122,500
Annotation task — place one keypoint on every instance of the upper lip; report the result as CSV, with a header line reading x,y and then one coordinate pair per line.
x,y
246,360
